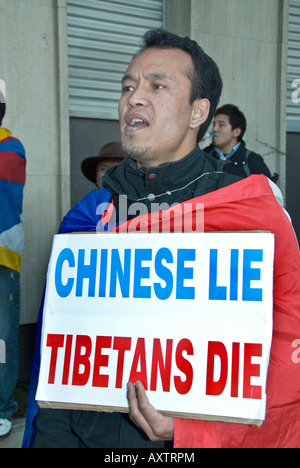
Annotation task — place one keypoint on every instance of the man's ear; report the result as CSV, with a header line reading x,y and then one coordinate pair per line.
x,y
200,112
237,132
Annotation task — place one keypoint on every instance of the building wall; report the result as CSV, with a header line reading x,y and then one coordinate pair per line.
x,y
87,136
34,66
248,41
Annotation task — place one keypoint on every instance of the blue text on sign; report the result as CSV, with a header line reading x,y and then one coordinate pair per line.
x,y
116,268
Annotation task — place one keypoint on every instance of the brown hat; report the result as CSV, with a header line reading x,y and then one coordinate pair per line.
x,y
107,152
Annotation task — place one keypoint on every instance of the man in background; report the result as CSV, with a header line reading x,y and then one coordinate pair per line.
x,y
228,145
94,167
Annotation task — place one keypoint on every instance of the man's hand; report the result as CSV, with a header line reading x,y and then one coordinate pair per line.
x,y
155,425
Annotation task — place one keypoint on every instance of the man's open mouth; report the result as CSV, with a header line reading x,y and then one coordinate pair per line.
x,y
135,122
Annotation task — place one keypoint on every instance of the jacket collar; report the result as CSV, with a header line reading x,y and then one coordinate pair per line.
x,y
127,178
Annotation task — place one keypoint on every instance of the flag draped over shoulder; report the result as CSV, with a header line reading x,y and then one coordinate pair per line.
x,y
12,181
251,205
246,205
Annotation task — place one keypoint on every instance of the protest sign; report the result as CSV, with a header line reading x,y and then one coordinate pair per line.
x,y
189,315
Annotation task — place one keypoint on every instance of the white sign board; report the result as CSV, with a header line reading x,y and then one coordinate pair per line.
x,y
190,315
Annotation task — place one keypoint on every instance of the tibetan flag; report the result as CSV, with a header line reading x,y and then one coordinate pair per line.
x,y
247,205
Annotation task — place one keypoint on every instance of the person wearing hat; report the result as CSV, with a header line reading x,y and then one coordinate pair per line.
x,y
94,167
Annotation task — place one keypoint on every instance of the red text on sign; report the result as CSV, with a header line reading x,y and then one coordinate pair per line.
x,y
216,387
92,361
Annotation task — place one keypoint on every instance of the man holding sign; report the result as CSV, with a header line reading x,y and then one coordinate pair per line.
x,y
169,94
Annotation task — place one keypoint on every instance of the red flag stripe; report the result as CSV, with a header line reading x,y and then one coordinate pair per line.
x,y
12,167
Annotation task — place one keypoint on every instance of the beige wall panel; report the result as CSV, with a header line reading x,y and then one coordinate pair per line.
x,y
247,39
42,220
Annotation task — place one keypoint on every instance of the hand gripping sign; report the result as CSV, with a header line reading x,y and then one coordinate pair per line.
x,y
189,315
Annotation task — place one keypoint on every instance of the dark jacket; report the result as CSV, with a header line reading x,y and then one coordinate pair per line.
x,y
242,163
173,182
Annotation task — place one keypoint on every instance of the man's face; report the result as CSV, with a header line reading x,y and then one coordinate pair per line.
x,y
154,109
102,167
225,138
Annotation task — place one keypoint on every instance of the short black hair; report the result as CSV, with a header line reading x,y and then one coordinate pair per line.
x,y
236,118
206,81
2,111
